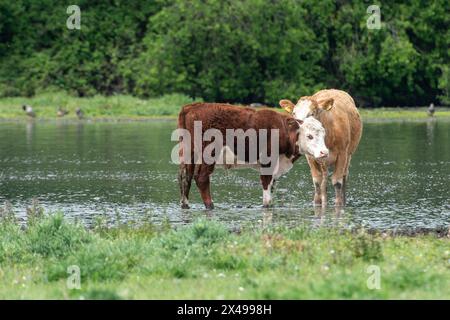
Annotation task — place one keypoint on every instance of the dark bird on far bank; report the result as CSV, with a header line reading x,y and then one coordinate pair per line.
x,y
80,113
29,110
431,110
61,112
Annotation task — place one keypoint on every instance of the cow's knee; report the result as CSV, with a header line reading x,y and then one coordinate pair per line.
x,y
320,186
317,183
337,180
317,190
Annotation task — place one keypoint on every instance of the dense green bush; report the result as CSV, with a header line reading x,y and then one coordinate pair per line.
x,y
238,51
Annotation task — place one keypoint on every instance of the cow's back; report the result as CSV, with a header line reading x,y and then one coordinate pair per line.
x,y
343,122
217,115
225,116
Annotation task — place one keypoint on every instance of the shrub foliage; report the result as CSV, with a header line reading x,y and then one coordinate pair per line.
x,y
236,51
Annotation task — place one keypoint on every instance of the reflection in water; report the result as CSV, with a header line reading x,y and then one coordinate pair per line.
x,y
267,217
399,177
431,124
30,126
330,216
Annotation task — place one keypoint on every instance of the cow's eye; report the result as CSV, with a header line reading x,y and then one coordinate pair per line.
x,y
310,137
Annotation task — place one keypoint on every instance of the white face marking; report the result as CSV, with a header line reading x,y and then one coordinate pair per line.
x,y
302,109
312,128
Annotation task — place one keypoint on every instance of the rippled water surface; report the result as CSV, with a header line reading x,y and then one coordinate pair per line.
x,y
399,178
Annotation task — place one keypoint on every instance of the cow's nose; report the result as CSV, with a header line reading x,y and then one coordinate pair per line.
x,y
323,153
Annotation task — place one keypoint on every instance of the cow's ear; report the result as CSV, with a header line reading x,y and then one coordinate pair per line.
x,y
287,105
326,104
293,123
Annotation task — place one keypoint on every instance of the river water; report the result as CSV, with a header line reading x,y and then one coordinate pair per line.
x,y
399,177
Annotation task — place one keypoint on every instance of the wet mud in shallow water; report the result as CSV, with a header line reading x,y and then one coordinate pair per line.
x,y
399,179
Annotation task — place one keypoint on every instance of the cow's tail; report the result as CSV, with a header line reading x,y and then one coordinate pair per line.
x,y
184,178
182,126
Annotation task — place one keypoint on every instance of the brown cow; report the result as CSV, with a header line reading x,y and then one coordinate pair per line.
x,y
245,130
337,112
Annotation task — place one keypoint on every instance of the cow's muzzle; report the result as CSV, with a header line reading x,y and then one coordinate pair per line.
x,y
322,154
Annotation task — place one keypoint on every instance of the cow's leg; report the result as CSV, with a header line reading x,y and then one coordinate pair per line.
x,y
316,173
323,185
272,187
185,179
202,179
345,179
338,178
267,182
185,175
182,181
319,173
344,187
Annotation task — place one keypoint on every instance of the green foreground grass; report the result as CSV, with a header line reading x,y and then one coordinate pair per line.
x,y
121,107
207,261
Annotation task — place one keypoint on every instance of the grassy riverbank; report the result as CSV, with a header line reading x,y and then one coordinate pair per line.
x,y
97,108
205,260
131,108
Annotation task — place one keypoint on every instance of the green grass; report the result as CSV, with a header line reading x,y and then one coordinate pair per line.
x,y
122,107
206,261
98,107
403,113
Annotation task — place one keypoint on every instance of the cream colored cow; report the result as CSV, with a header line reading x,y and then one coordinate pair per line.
x,y
337,112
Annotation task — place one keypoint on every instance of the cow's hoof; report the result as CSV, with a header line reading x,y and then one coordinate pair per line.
x,y
209,206
317,200
184,206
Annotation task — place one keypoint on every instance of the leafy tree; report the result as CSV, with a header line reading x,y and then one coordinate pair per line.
x,y
228,50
